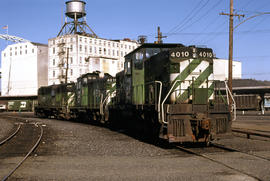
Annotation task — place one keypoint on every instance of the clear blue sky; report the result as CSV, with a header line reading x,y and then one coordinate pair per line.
x,y
195,22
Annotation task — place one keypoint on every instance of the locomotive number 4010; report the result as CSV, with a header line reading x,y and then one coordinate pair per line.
x,y
186,54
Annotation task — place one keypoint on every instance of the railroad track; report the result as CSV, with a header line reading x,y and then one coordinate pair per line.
x,y
12,135
224,148
19,140
264,134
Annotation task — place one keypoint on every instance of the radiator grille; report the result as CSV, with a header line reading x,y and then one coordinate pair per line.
x,y
221,125
176,127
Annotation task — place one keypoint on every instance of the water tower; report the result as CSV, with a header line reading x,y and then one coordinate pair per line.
x,y
75,13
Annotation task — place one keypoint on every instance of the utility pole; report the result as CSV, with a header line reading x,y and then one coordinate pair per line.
x,y
160,37
231,48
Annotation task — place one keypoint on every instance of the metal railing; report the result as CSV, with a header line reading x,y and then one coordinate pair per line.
x,y
228,93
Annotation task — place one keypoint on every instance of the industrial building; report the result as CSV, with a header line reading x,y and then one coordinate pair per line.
x,y
85,54
221,69
24,68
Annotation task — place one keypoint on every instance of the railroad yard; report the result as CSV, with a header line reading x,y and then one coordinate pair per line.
x,y
80,151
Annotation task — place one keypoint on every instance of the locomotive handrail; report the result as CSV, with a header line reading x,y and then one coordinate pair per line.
x,y
228,92
162,108
102,103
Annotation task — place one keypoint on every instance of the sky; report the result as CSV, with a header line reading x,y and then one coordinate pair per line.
x,y
189,22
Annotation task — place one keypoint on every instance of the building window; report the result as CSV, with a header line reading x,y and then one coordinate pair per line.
x,y
95,41
117,45
80,71
121,54
113,44
109,44
71,72
90,49
100,50
80,60
71,39
117,52
15,53
85,48
121,45
109,52
99,42
125,46
53,51
104,43
10,53
53,62
80,48
53,73
113,52
53,43
4,54
20,52
90,40
95,49
71,60
85,40
71,48
112,62
25,51
104,51
80,39
33,50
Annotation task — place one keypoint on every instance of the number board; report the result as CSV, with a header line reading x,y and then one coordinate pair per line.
x,y
184,53
204,53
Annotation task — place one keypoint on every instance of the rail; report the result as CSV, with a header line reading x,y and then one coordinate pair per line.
x,y
228,92
27,155
248,133
11,136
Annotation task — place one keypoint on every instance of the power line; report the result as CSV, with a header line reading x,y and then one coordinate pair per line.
x,y
189,19
190,14
205,14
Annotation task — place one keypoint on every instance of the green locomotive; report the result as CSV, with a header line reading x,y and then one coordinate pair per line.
x,y
55,101
93,95
169,89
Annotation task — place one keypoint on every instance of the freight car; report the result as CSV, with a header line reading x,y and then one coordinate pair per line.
x,y
246,102
165,90
20,105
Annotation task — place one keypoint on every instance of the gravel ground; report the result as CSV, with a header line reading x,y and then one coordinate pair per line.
x,y
76,151
5,128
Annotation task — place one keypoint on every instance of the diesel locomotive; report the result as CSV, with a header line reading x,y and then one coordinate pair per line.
x,y
165,90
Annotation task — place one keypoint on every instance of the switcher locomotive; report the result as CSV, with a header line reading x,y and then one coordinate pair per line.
x,y
165,90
